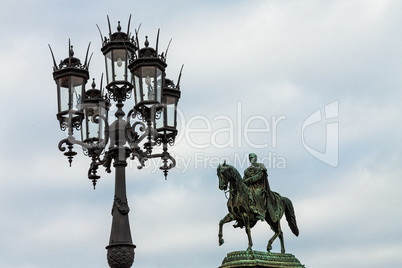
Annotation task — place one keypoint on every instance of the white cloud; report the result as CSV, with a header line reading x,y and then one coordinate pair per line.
x,y
279,59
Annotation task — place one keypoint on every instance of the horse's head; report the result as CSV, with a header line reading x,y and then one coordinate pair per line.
x,y
229,174
223,176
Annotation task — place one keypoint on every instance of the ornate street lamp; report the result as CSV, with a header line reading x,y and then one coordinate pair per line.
x,y
118,49
149,74
95,108
128,69
94,130
70,76
167,123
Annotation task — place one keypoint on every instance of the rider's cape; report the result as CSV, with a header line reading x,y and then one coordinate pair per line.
x,y
263,199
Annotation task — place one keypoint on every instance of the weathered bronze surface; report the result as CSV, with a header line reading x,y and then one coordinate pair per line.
x,y
257,259
251,200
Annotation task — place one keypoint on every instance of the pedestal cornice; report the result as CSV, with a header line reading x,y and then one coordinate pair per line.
x,y
258,259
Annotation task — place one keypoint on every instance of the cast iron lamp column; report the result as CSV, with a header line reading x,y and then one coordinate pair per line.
x,y
128,69
120,251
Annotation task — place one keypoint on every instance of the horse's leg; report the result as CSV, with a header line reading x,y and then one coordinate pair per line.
x,y
280,234
226,219
274,227
281,239
246,220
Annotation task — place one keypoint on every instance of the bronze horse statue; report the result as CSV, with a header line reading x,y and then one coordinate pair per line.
x,y
239,207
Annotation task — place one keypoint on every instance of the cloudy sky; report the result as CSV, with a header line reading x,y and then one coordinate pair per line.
x,y
312,87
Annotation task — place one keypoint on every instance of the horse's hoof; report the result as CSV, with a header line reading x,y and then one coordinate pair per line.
x,y
269,247
221,241
249,249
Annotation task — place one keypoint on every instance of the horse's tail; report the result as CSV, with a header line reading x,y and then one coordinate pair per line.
x,y
290,215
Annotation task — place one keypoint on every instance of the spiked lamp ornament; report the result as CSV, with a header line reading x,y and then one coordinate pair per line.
x,y
167,123
94,132
118,49
149,125
70,77
95,107
149,74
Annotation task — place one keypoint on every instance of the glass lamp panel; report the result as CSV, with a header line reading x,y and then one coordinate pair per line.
x,y
120,65
101,129
64,96
171,112
148,83
159,122
137,88
84,127
128,72
159,85
91,127
109,67
77,84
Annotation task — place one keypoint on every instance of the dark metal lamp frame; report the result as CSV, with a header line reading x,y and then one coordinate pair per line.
x,y
126,139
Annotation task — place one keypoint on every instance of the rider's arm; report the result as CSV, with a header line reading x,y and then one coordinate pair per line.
x,y
254,179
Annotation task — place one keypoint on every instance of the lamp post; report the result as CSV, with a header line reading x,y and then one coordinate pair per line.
x,y
130,70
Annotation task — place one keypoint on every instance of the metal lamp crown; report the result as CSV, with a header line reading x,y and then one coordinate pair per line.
x,y
128,69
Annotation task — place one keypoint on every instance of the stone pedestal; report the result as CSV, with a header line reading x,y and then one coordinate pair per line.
x,y
258,259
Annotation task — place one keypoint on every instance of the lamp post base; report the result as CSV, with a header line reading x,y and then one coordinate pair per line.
x,y
120,255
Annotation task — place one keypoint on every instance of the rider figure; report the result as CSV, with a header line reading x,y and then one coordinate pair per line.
x,y
256,177
262,199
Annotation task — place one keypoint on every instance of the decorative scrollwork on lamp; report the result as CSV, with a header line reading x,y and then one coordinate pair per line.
x,y
132,73
128,68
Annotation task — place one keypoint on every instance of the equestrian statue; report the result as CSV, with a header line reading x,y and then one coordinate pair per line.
x,y
251,199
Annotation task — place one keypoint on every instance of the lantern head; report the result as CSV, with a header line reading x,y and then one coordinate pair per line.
x,y
167,123
118,49
148,71
95,107
70,77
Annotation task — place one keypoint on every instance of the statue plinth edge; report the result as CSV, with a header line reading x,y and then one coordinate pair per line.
x,y
258,259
